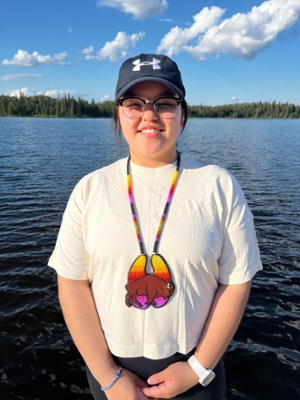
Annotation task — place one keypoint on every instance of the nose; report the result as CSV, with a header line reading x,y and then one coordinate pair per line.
x,y
149,111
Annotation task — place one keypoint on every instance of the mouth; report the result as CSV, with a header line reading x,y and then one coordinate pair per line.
x,y
150,132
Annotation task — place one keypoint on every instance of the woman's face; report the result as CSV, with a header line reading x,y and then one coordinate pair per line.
x,y
151,139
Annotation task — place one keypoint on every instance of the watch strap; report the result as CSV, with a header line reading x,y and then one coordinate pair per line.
x,y
205,375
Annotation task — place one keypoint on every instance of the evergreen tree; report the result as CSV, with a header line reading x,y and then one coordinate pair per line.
x,y
67,106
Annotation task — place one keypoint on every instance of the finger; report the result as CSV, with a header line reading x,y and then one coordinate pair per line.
x,y
145,396
154,391
156,378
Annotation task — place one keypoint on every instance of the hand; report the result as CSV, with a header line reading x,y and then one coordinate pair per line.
x,y
175,379
128,387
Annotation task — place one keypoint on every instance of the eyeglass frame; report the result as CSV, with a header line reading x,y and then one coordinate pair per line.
x,y
119,102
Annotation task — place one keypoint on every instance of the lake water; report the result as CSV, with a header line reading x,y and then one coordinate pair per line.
x,y
40,162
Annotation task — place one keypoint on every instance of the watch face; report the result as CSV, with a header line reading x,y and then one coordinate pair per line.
x,y
207,377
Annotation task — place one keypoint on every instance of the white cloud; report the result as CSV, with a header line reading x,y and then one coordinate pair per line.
x,y
17,77
88,50
235,98
56,93
241,36
24,59
176,40
60,93
104,98
25,91
50,93
165,20
116,49
139,8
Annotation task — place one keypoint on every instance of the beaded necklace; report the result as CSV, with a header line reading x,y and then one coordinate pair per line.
x,y
145,289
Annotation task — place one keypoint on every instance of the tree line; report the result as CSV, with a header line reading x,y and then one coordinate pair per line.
x,y
247,110
67,106
45,106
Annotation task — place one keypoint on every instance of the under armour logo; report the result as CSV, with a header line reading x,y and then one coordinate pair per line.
x,y
138,64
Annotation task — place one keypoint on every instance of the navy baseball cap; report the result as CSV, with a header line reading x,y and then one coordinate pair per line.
x,y
149,67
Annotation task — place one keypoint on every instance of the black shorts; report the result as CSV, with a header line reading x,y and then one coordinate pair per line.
x,y
145,367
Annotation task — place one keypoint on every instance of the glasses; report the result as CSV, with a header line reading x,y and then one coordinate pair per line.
x,y
164,107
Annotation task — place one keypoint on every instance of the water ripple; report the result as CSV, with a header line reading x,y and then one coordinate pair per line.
x,y
40,162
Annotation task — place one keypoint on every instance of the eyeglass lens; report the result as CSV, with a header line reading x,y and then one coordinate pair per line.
x,y
165,107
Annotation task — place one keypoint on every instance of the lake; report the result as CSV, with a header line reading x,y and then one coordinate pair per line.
x,y
40,162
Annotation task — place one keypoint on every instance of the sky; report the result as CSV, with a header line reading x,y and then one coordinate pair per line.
x,y
227,51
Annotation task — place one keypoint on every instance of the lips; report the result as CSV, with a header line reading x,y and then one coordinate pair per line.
x,y
150,133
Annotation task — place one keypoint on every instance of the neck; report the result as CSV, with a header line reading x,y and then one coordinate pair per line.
x,y
153,162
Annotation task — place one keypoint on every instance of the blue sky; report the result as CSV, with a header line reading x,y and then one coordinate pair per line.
x,y
227,51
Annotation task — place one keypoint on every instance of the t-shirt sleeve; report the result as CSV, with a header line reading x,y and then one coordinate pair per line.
x,y
240,258
70,258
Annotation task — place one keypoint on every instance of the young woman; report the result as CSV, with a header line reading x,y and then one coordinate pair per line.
x,y
156,253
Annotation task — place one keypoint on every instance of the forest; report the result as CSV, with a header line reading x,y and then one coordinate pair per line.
x,y
69,107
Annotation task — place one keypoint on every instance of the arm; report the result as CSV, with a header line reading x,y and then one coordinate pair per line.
x,y
82,320
223,320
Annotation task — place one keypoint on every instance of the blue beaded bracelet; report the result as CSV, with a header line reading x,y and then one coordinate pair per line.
x,y
117,376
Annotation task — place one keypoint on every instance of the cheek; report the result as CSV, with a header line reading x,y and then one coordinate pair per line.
x,y
127,127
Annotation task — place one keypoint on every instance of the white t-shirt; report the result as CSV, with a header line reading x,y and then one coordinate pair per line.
x,y
208,238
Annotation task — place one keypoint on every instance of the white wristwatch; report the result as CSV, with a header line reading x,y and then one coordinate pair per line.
x,y
205,375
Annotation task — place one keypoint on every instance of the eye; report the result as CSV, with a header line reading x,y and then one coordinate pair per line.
x,y
166,102
133,103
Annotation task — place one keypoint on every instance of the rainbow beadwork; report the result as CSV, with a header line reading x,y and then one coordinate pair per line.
x,y
145,289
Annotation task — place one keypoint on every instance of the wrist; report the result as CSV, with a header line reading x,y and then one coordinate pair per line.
x,y
105,374
117,376
205,375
